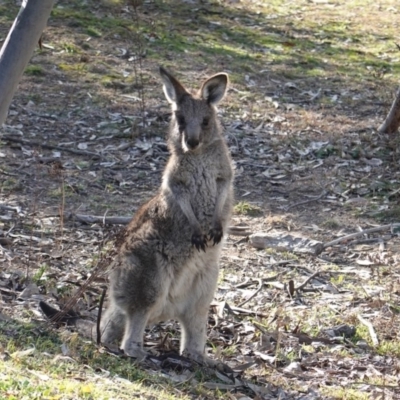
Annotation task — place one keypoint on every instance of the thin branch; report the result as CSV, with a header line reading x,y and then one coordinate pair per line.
x,y
258,290
301,286
354,235
371,330
44,145
10,208
94,219
249,312
367,241
242,240
306,201
101,266
283,262
239,231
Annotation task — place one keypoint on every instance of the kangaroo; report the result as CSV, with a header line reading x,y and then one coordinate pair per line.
x,y
166,265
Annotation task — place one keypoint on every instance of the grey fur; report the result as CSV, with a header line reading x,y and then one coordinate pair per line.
x,y
167,262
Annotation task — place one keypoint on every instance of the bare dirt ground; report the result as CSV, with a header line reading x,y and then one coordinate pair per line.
x,y
311,83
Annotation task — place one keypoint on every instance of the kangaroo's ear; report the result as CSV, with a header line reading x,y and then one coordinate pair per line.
x,y
213,89
173,89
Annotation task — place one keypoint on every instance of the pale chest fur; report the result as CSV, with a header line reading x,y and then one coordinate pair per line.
x,y
199,177
194,282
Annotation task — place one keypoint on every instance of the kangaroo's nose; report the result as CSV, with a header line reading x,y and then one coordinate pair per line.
x,y
192,143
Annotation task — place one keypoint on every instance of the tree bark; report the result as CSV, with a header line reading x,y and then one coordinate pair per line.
x,y
18,48
392,121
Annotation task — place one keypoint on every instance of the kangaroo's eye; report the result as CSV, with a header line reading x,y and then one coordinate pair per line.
x,y
205,122
180,119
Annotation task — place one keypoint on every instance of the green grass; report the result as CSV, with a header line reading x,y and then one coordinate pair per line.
x,y
328,48
390,348
344,393
331,223
91,31
37,278
33,366
245,208
34,70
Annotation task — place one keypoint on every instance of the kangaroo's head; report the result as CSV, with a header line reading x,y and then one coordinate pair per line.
x,y
194,117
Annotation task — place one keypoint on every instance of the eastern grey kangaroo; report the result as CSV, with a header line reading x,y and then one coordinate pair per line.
x,y
167,261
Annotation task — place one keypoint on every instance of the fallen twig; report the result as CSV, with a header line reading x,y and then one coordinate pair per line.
x,y
100,267
93,219
324,246
301,286
306,201
304,338
283,262
371,330
33,143
290,288
249,312
10,208
260,285
242,240
239,231
367,241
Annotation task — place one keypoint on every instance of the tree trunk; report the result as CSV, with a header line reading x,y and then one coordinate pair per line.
x,y
392,121
18,48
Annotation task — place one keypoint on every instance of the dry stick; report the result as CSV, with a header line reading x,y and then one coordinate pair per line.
x,y
367,241
33,143
100,267
290,264
249,282
283,262
354,235
371,330
241,228
249,312
260,285
67,307
9,208
307,280
98,333
239,231
92,219
306,201
242,240
291,288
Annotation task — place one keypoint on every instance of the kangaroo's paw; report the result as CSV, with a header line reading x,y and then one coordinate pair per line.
x,y
199,240
215,234
135,350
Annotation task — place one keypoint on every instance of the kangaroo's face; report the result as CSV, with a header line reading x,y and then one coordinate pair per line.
x,y
194,116
194,119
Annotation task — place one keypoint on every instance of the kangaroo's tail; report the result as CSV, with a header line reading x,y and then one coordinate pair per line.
x,y
71,318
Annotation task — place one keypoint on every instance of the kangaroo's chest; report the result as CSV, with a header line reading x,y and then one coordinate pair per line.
x,y
196,280
202,184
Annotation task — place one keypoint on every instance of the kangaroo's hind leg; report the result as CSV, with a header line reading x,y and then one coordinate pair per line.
x,y
132,342
126,329
112,324
136,286
195,315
